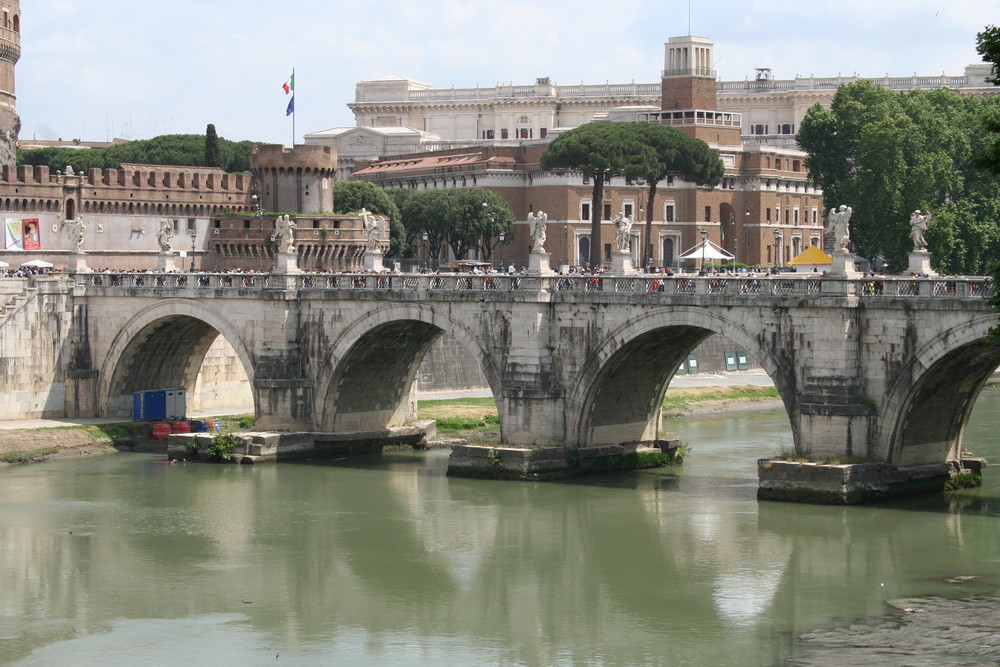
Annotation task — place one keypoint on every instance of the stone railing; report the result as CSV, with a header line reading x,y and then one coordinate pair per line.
x,y
770,285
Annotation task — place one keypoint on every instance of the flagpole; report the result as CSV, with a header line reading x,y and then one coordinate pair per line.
x,y
293,110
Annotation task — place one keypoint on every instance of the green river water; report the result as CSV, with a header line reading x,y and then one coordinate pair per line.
x,y
125,560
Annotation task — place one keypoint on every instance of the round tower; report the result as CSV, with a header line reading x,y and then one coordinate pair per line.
x,y
296,180
10,52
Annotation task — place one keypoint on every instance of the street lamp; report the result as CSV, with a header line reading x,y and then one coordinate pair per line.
x,y
704,242
426,251
194,237
502,237
259,210
777,248
492,215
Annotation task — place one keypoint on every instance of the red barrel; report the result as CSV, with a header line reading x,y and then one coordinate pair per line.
x,y
180,427
161,431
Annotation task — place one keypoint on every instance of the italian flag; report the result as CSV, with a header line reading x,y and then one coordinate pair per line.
x,y
289,86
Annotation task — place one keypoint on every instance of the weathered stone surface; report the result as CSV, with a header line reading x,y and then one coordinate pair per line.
x,y
882,369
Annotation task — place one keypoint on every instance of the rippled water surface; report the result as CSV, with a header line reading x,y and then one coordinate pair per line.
x,y
124,560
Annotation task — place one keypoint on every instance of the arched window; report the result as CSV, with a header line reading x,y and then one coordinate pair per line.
x,y
668,251
583,250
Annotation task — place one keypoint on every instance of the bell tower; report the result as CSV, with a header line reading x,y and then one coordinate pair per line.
x,y
688,80
10,52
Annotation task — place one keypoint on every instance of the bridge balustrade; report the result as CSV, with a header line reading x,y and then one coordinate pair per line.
x,y
959,287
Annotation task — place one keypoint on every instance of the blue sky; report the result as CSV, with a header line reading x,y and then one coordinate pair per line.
x,y
135,69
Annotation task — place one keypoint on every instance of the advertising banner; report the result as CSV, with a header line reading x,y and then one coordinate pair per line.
x,y
30,234
13,234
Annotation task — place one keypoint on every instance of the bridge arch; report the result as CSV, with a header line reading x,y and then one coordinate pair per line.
x,y
926,407
163,346
623,382
366,379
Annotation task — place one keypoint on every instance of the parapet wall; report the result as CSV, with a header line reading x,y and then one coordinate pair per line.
x,y
277,156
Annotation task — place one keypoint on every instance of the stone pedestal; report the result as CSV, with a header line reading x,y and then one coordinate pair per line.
x,y
920,263
538,264
78,263
286,262
621,264
843,265
166,261
373,261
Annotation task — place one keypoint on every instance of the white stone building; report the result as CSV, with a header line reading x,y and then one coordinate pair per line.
x,y
402,115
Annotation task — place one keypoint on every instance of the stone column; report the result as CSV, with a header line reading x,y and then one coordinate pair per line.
x,y
843,264
920,263
373,261
621,263
538,264
286,262
78,263
166,261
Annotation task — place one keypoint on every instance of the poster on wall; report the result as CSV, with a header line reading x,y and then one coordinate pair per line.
x,y
30,234
13,235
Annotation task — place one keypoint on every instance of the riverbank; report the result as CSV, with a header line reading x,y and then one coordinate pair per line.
x,y
33,441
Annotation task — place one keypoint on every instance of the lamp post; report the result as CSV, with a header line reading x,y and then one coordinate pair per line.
x,y
777,248
194,237
492,215
426,251
259,211
502,237
704,242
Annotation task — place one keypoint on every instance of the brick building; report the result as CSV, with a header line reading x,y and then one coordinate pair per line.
x,y
765,211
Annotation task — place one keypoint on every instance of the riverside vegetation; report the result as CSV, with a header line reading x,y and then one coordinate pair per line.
x,y
472,419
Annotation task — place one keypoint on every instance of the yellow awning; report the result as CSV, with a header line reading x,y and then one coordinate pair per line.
x,y
811,255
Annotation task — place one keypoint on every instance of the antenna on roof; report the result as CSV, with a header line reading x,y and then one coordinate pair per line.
x,y
689,18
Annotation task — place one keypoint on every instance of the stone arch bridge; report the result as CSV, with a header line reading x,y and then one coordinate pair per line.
x,y
885,368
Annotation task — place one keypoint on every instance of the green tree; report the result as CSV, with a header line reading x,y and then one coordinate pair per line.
x,y
429,212
352,196
887,154
498,219
213,158
988,46
182,150
673,153
600,150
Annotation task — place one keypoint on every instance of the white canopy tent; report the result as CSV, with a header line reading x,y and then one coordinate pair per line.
x,y
706,250
3,265
38,264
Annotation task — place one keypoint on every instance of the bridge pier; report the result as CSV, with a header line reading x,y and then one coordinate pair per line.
x,y
283,404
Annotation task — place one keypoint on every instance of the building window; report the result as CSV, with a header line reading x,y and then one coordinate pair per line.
x,y
542,133
585,210
583,251
769,214
785,129
777,163
246,224
796,165
488,134
217,224
627,208
795,216
708,214
786,216
759,128
767,161
670,212
503,133
607,213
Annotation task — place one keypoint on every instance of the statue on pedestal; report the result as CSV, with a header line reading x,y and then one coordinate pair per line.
x,y
373,226
838,223
164,234
919,222
623,229
76,229
536,224
284,232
